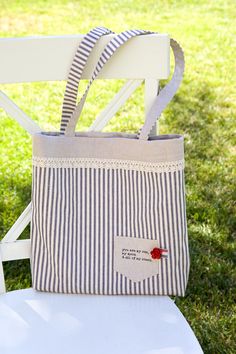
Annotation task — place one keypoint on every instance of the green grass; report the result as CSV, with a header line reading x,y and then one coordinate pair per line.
x,y
203,110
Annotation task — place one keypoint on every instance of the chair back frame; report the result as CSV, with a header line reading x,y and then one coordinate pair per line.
x,y
32,59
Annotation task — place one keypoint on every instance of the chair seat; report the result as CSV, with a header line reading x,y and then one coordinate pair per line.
x,y
42,323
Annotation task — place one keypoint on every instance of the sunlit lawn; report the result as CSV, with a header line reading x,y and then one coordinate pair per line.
x,y
203,110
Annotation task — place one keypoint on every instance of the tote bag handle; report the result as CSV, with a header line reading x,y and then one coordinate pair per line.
x,y
68,122
71,113
166,94
75,73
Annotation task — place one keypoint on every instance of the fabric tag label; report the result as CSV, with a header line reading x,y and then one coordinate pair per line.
x,y
132,257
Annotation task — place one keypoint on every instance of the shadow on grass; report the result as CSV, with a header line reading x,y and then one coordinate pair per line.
x,y
210,195
209,137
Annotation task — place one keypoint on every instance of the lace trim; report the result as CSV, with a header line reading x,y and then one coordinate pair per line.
x,y
57,162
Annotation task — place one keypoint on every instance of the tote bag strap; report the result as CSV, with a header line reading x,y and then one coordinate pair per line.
x,y
166,94
68,125
162,99
77,67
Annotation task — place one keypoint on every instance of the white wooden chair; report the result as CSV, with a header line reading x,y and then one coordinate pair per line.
x,y
32,322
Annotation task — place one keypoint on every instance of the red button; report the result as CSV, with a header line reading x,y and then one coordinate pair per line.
x,y
156,253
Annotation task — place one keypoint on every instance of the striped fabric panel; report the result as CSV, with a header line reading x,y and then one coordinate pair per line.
x,y
77,213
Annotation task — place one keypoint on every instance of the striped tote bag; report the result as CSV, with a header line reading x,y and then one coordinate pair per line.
x,y
109,208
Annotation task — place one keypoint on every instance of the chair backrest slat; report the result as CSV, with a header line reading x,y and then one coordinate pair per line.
x,y
48,58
